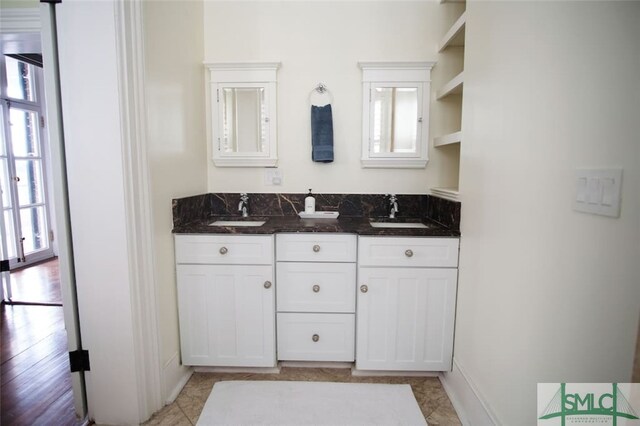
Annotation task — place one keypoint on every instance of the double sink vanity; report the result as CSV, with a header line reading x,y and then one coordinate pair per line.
x,y
271,287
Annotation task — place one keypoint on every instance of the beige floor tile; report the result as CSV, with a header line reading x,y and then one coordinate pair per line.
x,y
170,415
429,393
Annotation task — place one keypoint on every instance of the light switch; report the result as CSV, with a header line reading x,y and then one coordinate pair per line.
x,y
593,189
608,191
598,191
273,177
581,196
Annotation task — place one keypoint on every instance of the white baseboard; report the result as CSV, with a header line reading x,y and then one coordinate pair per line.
x,y
315,364
467,401
174,377
253,370
382,373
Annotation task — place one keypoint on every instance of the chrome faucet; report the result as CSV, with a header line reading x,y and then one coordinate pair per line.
x,y
393,203
244,204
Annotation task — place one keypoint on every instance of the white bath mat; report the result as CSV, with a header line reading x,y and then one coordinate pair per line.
x,y
310,403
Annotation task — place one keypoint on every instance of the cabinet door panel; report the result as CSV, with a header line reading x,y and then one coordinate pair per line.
x,y
405,319
227,316
192,300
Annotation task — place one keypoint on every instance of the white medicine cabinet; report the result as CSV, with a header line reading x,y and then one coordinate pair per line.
x,y
243,113
395,114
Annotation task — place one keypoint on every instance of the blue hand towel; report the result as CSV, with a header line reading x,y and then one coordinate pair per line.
x,y
321,134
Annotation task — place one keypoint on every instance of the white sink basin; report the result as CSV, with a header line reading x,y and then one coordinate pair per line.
x,y
397,225
238,223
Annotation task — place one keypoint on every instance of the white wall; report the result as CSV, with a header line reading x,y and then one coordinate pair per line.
x,y
322,41
547,294
177,149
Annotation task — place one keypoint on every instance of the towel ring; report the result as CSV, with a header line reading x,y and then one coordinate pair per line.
x,y
321,90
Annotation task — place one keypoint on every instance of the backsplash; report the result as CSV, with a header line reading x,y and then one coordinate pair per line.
x,y
443,211
205,206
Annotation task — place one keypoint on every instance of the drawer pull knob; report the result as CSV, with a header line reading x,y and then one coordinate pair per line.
x,y
267,284
316,248
315,338
316,288
364,288
223,250
408,253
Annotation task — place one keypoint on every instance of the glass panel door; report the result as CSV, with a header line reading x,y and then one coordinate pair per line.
x,y
22,177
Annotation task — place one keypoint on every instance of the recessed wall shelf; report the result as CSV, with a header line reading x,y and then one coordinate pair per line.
x,y
455,35
448,139
452,51
453,87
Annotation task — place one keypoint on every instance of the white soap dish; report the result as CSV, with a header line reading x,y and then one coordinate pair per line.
x,y
319,215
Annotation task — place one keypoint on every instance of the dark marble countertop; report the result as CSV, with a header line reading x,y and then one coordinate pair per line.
x,y
349,225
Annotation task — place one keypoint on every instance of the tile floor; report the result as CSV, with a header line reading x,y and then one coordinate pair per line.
x,y
185,410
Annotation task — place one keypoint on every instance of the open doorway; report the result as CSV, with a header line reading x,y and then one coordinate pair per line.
x,y
37,383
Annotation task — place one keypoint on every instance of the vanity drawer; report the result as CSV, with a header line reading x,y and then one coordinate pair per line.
x,y
316,337
316,287
408,251
316,247
224,249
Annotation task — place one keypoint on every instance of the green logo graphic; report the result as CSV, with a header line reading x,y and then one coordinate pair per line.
x,y
565,404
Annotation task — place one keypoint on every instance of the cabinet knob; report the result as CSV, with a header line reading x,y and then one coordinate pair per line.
x,y
364,288
316,248
223,250
316,288
408,253
267,284
315,337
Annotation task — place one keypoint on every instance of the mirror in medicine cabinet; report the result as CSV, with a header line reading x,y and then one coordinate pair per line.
x,y
395,114
244,120
243,114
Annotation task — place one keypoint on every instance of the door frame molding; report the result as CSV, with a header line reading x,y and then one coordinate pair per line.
x,y
139,218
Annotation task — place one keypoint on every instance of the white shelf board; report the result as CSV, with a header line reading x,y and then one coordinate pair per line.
x,y
455,35
448,139
450,193
453,87
453,1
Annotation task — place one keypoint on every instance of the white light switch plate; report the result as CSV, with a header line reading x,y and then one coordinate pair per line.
x,y
598,191
273,177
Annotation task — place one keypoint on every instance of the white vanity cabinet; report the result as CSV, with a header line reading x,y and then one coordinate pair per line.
x,y
406,303
226,298
316,276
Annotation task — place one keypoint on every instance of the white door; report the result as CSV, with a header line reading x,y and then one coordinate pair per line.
x,y
405,318
23,183
227,315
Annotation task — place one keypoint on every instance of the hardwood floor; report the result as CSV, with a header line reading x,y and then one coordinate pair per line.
x,y
37,284
35,378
